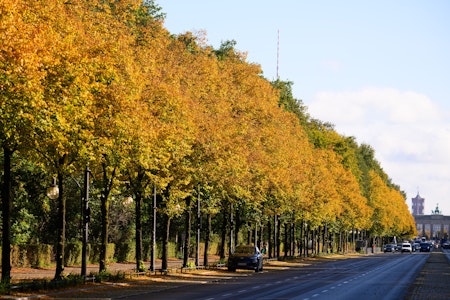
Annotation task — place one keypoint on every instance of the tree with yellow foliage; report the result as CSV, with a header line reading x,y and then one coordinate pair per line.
x,y
23,50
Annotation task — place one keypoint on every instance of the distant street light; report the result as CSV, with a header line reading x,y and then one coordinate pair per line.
x,y
127,201
53,190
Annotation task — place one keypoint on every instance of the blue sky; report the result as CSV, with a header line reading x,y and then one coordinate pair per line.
x,y
377,70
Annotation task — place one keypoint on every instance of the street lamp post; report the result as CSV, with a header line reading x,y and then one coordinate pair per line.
x,y
231,248
199,224
53,192
152,252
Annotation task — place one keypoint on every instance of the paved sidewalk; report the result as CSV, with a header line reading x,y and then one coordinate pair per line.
x,y
433,281
24,274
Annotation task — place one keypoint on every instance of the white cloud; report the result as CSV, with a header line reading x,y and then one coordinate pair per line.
x,y
409,132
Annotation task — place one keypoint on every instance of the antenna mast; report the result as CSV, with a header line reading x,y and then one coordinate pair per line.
x,y
278,54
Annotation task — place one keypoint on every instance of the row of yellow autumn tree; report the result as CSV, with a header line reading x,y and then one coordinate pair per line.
x,y
104,84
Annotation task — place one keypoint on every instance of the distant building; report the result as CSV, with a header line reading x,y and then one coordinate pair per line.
x,y
435,226
417,205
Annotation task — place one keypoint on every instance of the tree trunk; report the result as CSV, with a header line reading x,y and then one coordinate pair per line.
x,y
286,240
269,238
199,226
316,240
6,216
223,236
232,229
207,239
61,227
249,233
294,238
278,242
308,237
138,188
187,239
104,209
237,228
138,233
300,246
165,246
325,238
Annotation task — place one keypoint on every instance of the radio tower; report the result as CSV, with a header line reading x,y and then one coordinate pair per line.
x,y
278,54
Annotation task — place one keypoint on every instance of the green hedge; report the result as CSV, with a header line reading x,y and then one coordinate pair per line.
x,y
94,253
42,255
125,252
72,254
36,255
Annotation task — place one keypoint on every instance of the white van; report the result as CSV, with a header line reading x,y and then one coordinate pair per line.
x,y
406,247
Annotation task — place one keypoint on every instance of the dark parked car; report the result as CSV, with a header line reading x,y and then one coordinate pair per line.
x,y
246,257
389,248
446,245
425,247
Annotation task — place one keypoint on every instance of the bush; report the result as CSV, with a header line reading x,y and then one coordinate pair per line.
x,y
107,276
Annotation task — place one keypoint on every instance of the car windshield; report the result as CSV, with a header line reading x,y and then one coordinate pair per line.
x,y
248,250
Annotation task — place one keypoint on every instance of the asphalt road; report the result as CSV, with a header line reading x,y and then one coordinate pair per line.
x,y
384,276
396,276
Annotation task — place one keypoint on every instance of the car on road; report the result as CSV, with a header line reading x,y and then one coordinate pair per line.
x,y
425,247
416,247
246,257
389,248
446,245
406,247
